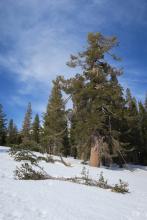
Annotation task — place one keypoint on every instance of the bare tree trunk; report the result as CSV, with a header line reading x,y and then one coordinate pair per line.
x,y
95,158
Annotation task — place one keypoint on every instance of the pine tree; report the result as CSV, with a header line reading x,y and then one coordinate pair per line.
x,y
3,129
128,98
72,138
36,129
132,134
142,148
145,104
55,123
98,100
26,130
145,131
12,133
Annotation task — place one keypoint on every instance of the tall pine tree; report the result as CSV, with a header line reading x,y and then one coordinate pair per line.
x,y
145,104
55,123
26,130
132,134
142,148
12,133
3,129
36,129
98,101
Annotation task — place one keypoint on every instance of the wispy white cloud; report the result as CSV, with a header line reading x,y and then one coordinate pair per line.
x,y
36,45
41,44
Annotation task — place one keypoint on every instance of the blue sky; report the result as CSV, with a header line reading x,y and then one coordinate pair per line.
x,y
37,37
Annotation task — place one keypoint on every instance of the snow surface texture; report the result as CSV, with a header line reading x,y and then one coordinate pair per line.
x,y
57,200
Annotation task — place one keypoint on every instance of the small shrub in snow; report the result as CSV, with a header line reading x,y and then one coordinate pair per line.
x,y
85,176
14,149
26,172
121,187
85,173
25,155
102,183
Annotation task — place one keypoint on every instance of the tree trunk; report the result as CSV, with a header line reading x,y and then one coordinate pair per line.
x,y
95,152
94,157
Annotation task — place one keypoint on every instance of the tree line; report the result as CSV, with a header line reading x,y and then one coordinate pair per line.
x,y
105,123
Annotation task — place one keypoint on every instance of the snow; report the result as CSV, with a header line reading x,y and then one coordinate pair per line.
x,y
56,200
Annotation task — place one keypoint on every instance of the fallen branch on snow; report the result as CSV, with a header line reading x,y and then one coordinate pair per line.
x,y
26,172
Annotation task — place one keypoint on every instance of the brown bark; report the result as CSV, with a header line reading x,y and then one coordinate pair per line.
x,y
95,151
94,157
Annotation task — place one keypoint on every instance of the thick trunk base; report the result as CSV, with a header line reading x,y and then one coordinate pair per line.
x,y
94,157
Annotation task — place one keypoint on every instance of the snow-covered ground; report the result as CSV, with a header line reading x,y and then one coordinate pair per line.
x,y
55,200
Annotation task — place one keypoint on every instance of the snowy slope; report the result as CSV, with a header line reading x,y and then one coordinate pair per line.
x,y
54,200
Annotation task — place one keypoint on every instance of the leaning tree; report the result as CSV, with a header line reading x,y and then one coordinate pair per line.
x,y
98,103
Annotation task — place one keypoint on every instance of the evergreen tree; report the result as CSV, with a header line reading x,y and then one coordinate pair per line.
x,y
36,129
145,104
3,129
142,148
55,123
26,130
98,100
145,131
73,135
128,98
12,133
132,134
